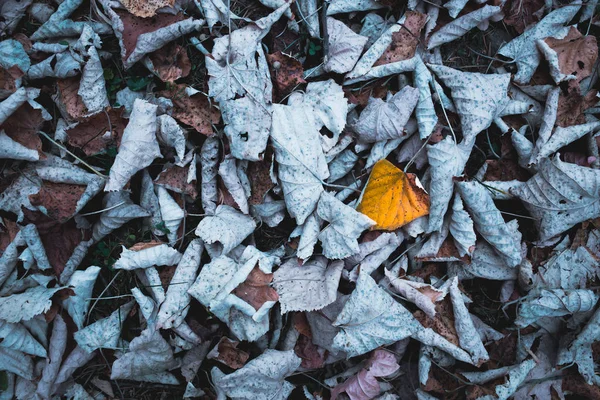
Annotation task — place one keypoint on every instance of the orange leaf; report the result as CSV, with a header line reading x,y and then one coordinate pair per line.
x,y
392,198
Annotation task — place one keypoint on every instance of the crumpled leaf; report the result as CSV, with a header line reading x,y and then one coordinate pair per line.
x,y
226,351
146,255
119,210
83,284
147,8
192,108
404,41
345,47
209,159
24,306
171,214
57,346
17,363
17,337
307,287
379,201
576,53
227,226
461,228
138,148
554,303
385,120
460,26
263,377
104,333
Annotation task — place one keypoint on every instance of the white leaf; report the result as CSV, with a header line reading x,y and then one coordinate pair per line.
x,y
170,133
567,269
149,201
523,49
454,7
346,6
553,303
34,243
59,26
339,238
82,283
342,164
247,141
104,333
373,254
461,228
92,88
24,306
176,305
147,257
263,377
148,354
373,27
307,287
138,148
425,111
209,159
489,222
231,180
59,65
560,195
16,362
447,160
14,150
478,98
562,137
516,375
228,227
552,57
58,344
171,214
17,337
309,235
410,290
345,47
119,211
76,359
460,26
412,149
384,120
371,318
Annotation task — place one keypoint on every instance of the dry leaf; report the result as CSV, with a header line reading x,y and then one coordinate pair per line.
x,y
94,134
392,198
170,62
256,289
405,41
577,54
286,72
194,110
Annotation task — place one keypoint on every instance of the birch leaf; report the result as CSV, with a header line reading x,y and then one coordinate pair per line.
x,y
489,221
478,98
228,227
380,202
148,255
138,148
176,305
104,333
148,354
460,26
385,120
263,377
523,48
345,47
24,306
371,318
554,303
422,294
83,284
560,195
307,287
339,238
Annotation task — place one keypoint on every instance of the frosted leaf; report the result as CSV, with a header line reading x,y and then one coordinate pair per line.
x,y
345,47
567,269
247,141
309,235
560,195
373,26
553,303
454,7
461,228
228,227
447,160
346,6
229,175
15,362
478,98
17,337
562,137
57,346
82,283
92,87
263,377
138,148
371,318
24,306
523,48
339,238
460,26
425,111
307,287
384,120
342,165
176,305
147,257
489,222
423,295
148,354
302,165
170,133
209,159
34,243
59,26
171,214
104,333
411,149
119,211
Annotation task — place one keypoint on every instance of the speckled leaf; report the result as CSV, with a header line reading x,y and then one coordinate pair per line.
x,y
83,284
24,306
104,333
147,256
553,303
228,227
460,26
345,47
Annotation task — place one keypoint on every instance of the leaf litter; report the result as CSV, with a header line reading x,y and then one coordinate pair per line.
x,y
313,199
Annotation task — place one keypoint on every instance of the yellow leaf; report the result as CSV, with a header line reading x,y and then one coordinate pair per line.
x,y
392,198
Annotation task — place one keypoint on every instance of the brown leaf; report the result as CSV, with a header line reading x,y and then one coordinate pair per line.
x,y
301,324
309,353
256,290
571,105
405,41
260,178
174,178
136,26
67,92
23,126
171,62
361,94
90,136
505,170
146,8
577,54
59,199
286,72
59,240
229,354
8,231
145,245
8,79
521,13
443,323
195,111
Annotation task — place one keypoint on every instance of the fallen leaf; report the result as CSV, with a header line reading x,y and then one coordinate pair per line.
x,y
520,14
392,198
226,351
68,93
175,178
171,62
577,54
256,289
286,72
146,8
94,134
194,110
58,199
405,41
23,126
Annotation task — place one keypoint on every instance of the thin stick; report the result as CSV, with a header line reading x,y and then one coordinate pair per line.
x,y
73,155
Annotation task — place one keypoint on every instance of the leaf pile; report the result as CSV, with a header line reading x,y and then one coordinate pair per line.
x,y
310,199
